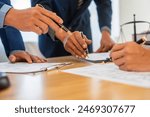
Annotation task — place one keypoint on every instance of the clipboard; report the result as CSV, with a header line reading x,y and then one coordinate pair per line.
x,y
25,68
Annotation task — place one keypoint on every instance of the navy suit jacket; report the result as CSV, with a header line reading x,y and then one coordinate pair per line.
x,y
11,37
1,4
74,19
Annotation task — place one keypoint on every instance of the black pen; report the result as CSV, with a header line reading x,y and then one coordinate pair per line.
x,y
60,25
108,60
142,40
87,48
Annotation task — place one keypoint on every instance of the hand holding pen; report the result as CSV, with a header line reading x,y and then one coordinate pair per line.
x,y
142,40
43,19
130,56
74,42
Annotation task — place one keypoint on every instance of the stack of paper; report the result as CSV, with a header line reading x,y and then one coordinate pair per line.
x,y
112,73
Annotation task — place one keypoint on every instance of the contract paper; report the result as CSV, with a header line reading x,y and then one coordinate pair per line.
x,y
97,57
25,67
111,72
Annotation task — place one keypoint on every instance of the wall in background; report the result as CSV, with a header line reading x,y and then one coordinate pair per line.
x,y
129,7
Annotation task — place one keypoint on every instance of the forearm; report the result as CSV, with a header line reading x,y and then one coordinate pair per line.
x,y
104,9
61,34
10,18
11,42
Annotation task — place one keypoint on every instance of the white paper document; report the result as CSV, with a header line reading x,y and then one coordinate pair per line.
x,y
112,73
97,57
28,68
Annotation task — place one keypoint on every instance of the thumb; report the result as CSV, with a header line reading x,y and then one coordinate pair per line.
x,y
99,50
12,58
88,41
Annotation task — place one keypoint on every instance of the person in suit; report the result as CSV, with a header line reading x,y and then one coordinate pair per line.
x,y
76,17
131,56
11,37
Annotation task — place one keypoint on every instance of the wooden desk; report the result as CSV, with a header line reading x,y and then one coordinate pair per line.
x,y
59,85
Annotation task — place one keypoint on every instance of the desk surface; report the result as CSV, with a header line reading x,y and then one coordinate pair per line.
x,y
59,85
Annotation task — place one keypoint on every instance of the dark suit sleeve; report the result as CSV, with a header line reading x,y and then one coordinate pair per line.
x,y
1,4
11,39
45,3
104,9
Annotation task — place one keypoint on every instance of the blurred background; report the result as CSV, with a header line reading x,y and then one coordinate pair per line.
x,y
123,11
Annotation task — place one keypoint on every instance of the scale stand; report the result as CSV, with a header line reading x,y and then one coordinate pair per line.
x,y
134,22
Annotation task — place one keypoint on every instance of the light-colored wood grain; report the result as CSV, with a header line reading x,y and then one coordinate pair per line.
x,y
62,86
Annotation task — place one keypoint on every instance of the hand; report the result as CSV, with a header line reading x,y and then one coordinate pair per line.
x,y
131,57
75,43
22,56
35,19
106,42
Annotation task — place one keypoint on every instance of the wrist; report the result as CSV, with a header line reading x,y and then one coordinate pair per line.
x,y
105,32
61,35
106,29
10,17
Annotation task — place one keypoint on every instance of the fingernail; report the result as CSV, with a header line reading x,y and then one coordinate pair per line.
x,y
43,61
13,59
61,21
82,56
30,62
77,56
84,46
39,61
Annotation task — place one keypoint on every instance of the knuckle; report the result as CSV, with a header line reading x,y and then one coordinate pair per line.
x,y
71,39
66,48
32,19
35,13
127,50
39,32
45,27
37,8
74,49
110,45
52,13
